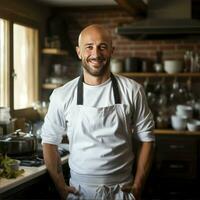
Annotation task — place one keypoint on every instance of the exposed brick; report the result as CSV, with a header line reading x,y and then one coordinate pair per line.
x,y
185,46
125,47
167,47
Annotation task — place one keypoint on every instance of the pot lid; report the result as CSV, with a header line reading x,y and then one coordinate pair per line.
x,y
17,135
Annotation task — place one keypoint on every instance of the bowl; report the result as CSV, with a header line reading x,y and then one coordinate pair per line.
x,y
14,165
173,66
178,123
193,125
184,110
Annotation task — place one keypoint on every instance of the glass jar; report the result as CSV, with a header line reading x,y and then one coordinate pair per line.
x,y
162,119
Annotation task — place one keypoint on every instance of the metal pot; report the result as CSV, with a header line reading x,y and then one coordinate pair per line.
x,y
18,144
133,64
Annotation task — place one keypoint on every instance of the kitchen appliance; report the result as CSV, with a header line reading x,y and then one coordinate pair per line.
x,y
7,127
164,19
36,160
18,144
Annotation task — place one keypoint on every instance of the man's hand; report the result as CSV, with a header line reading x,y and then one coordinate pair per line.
x,y
132,189
67,190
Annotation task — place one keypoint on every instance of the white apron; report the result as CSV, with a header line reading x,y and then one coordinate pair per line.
x,y
100,146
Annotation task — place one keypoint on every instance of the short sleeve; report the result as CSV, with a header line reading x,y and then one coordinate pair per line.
x,y
54,123
143,117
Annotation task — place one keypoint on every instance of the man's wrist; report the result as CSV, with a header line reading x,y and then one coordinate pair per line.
x,y
136,188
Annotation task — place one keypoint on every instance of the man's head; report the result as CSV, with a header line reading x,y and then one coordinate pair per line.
x,y
95,49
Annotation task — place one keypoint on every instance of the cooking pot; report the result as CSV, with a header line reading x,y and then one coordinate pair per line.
x,y
18,144
133,64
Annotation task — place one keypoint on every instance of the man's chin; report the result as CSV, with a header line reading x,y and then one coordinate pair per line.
x,y
95,72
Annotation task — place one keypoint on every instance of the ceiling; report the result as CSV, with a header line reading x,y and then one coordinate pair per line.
x,y
78,2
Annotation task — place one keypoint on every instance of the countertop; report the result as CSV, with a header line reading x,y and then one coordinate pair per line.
x,y
29,174
174,132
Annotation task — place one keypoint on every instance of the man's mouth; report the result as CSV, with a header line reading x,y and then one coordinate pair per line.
x,y
96,60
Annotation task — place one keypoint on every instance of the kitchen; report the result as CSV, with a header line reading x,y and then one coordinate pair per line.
x,y
175,170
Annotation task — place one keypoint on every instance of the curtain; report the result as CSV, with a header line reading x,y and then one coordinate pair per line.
x,y
4,63
25,66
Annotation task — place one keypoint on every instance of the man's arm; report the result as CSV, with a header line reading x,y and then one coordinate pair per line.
x,y
54,167
144,162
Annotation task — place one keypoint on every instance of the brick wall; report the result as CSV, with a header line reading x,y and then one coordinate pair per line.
x,y
77,18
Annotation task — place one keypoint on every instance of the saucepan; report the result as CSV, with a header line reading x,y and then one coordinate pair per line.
x,y
18,144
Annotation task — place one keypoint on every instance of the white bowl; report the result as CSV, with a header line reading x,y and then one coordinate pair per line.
x,y
193,125
178,123
173,66
184,111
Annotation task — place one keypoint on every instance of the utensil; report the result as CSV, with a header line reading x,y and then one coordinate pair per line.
x,y
178,123
173,66
184,110
18,143
116,65
193,125
133,64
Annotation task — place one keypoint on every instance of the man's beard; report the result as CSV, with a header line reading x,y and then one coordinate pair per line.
x,y
99,71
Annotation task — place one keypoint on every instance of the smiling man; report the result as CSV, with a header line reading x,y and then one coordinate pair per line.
x,y
95,50
100,113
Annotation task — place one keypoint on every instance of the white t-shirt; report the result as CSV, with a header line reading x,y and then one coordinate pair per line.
x,y
131,93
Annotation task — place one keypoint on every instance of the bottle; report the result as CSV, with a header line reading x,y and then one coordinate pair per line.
x,y
158,66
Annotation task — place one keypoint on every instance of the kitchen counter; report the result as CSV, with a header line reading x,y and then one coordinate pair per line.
x,y
174,132
29,174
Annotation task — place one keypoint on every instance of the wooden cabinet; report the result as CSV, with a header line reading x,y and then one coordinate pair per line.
x,y
51,57
175,170
54,64
176,157
159,75
189,79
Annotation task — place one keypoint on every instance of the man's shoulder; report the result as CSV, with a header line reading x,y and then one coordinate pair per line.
x,y
70,85
66,90
128,82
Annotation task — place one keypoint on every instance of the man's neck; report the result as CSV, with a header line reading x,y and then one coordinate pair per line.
x,y
95,80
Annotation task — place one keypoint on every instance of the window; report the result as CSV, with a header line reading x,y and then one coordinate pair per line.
x,y
25,66
4,63
22,62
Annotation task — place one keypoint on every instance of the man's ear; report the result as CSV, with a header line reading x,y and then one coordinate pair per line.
x,y
113,48
78,51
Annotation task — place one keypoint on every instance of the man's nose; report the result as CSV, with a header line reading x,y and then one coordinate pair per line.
x,y
96,52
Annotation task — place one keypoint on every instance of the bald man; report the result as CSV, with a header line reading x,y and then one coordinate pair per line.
x,y
101,114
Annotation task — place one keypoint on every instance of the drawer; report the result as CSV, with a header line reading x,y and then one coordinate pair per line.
x,y
160,156
176,144
183,169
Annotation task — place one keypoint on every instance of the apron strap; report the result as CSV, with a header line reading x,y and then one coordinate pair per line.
x,y
80,90
115,89
114,85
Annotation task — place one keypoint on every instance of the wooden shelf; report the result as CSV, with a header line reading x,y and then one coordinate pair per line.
x,y
52,51
174,132
51,86
155,74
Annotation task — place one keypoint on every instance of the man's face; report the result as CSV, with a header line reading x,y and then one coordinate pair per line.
x,y
95,50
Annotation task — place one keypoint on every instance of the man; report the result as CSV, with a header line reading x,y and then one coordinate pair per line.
x,y
100,113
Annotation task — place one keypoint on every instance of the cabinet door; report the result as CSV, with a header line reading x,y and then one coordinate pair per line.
x,y
176,157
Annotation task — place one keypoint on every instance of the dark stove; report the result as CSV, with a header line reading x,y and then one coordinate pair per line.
x,y
36,159
33,162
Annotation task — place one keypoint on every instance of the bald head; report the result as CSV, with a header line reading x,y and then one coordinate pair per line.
x,y
94,29
95,50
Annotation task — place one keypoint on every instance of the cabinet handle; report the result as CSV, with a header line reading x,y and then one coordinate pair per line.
x,y
176,166
174,146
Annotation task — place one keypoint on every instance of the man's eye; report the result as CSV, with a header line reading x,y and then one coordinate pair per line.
x,y
89,47
103,47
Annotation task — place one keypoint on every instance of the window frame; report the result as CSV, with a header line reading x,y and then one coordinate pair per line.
x,y
12,19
